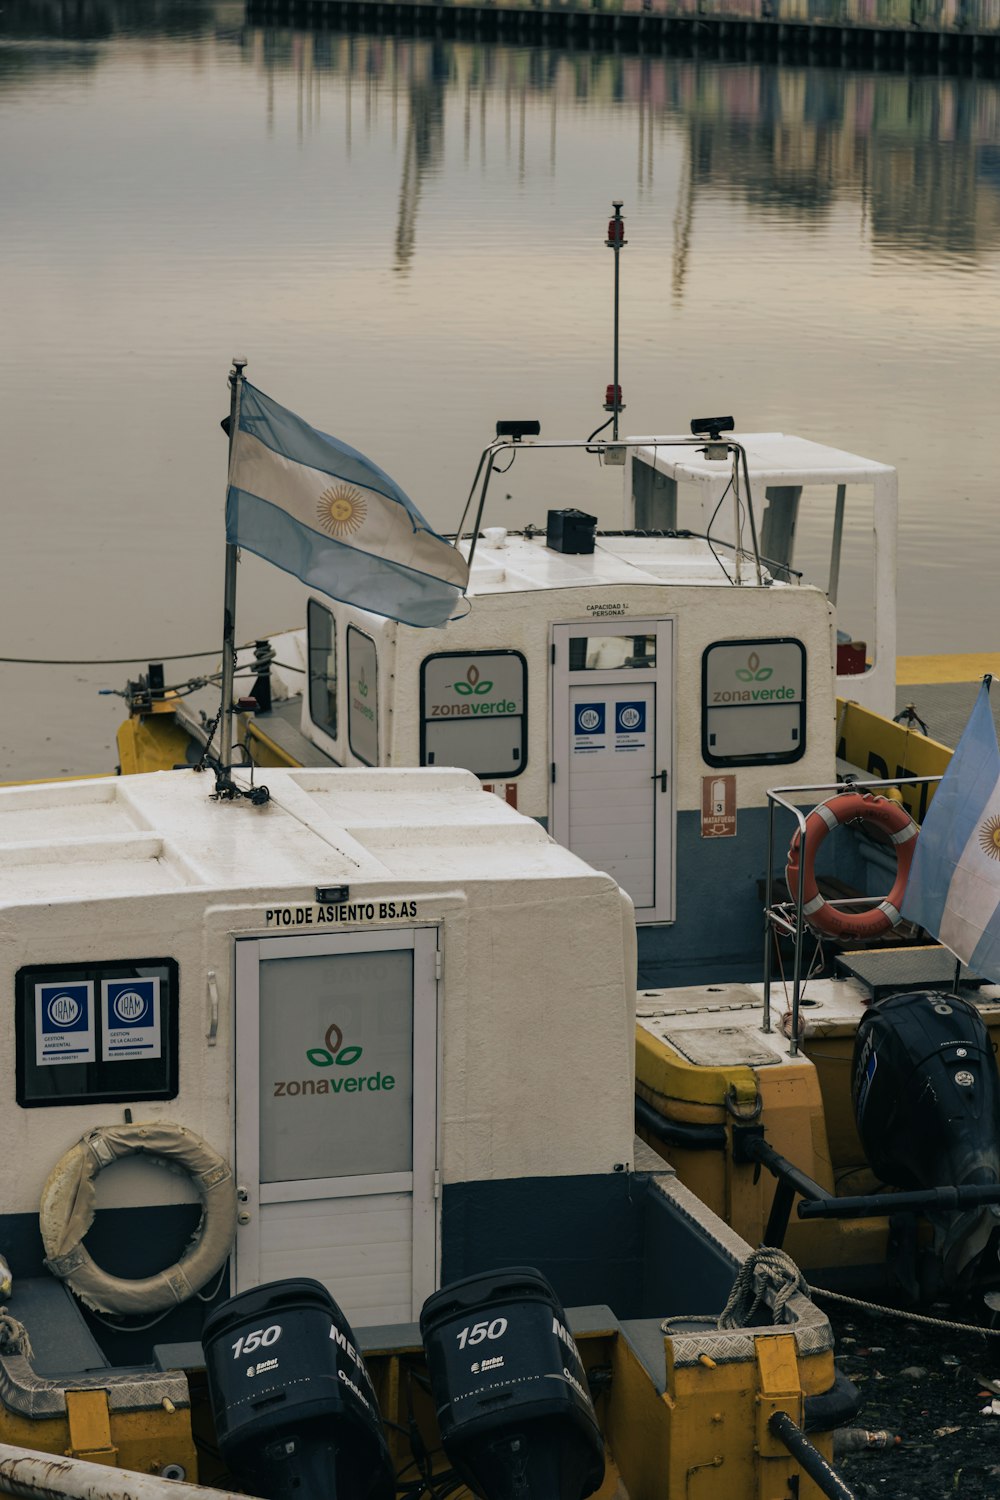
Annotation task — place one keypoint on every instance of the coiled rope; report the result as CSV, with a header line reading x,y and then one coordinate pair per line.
x,y
770,1271
13,1335
766,1279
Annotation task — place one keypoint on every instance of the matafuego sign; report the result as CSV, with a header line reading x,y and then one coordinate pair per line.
x,y
341,913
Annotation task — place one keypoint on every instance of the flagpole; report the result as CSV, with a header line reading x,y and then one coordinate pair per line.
x,y
224,777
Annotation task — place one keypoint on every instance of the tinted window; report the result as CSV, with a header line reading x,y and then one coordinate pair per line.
x,y
362,696
474,711
753,702
322,668
87,1033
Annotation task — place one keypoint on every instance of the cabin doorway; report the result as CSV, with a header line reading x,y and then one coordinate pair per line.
x,y
612,738
336,1116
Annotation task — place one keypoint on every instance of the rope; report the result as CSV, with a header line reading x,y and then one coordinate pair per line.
x,y
770,1270
907,1317
13,1335
766,1271
100,661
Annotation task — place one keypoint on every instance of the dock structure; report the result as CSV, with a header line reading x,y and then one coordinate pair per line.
x,y
957,35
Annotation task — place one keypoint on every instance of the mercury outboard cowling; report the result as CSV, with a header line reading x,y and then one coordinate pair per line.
x,y
515,1415
295,1411
927,1106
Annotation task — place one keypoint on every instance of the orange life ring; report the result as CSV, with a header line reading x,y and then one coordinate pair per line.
x,y
892,819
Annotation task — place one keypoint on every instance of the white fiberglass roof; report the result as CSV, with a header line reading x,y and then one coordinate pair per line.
x,y
512,562
162,833
772,458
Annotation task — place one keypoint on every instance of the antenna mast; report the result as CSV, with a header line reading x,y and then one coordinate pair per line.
x,y
615,241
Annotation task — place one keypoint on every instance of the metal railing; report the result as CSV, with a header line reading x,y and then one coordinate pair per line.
x,y
787,917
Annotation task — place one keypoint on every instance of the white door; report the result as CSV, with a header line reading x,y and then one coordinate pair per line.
x,y
612,787
336,1116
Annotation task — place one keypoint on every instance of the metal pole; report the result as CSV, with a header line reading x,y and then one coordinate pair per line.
x,y
737,528
769,934
618,255
229,603
50,1476
836,544
616,239
793,1048
482,504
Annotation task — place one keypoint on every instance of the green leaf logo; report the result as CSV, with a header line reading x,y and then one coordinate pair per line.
x,y
472,684
753,671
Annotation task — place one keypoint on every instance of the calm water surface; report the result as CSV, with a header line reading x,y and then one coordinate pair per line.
x,y
406,240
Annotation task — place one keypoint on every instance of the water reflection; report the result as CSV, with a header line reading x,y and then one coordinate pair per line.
x,y
919,155
405,236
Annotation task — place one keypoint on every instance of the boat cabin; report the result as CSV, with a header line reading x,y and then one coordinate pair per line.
x,y
635,690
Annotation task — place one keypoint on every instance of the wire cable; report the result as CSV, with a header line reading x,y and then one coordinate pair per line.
x,y
106,661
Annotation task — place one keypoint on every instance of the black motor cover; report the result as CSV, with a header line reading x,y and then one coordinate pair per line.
x,y
294,1407
927,1102
925,1092
513,1407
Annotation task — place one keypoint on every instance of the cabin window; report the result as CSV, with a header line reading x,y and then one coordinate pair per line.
x,y
362,697
611,653
473,711
96,1033
322,668
753,702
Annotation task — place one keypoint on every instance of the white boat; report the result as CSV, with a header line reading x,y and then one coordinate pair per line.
x,y
382,1027
636,691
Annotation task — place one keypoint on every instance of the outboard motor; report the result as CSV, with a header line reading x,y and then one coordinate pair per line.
x,y
295,1410
513,1408
927,1107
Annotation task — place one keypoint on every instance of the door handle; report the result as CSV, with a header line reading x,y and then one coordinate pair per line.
x,y
661,777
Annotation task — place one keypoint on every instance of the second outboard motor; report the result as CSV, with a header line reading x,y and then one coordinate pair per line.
x,y
295,1410
513,1407
927,1107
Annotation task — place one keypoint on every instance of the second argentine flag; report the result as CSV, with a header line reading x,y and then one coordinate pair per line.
x,y
317,508
954,885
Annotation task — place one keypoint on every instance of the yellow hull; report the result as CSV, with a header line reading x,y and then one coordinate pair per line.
x,y
699,1433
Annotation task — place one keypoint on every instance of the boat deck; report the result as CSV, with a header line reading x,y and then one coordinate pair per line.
x,y
720,1025
943,690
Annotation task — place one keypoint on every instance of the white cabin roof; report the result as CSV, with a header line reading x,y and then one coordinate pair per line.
x,y
162,833
772,458
511,562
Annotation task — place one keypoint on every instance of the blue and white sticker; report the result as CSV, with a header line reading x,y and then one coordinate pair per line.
x,y
130,1009
590,718
64,1023
630,718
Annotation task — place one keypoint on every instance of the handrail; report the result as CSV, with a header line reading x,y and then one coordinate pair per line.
x,y
602,445
777,796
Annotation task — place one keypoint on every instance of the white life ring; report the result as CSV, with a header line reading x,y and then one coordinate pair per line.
x,y
69,1202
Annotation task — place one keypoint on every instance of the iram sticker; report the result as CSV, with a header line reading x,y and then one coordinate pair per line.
x,y
64,1022
590,718
130,1011
630,718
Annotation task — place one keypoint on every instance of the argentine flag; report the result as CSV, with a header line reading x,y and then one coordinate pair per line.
x,y
954,885
318,509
